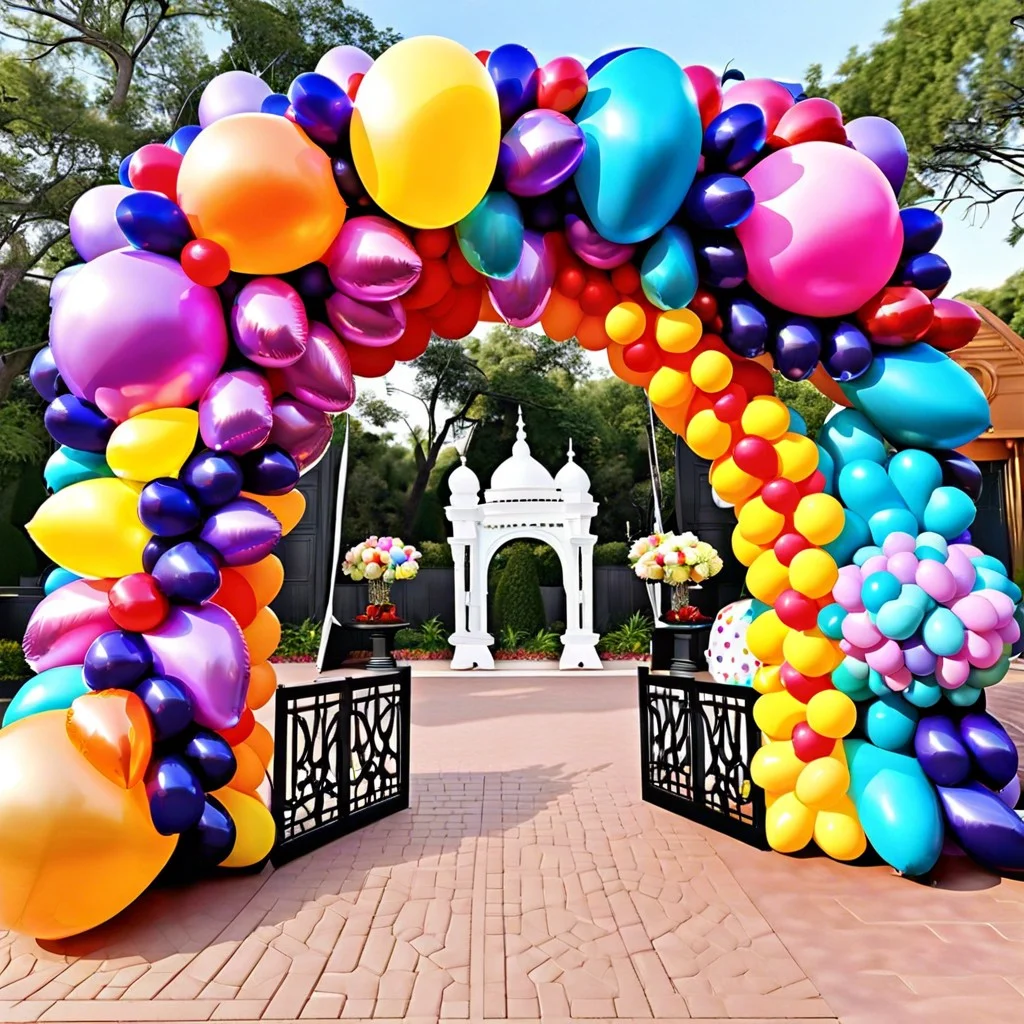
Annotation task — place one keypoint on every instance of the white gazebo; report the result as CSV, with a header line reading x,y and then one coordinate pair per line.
x,y
523,502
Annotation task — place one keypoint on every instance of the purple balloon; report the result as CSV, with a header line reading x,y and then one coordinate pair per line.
x,y
271,470
373,260
797,348
269,323
320,107
235,413
938,748
65,623
515,74
303,432
746,328
592,248
883,144
540,152
132,333
204,649
846,353
117,660
234,92
188,573
242,532
61,280
44,373
342,62
374,324
1010,793
918,659
78,424
521,298
322,378
719,201
93,221
984,826
961,472
994,753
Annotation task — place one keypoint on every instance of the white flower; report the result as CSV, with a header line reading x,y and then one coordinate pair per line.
x,y
374,571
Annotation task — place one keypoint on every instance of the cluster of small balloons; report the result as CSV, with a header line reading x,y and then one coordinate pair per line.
x,y
728,656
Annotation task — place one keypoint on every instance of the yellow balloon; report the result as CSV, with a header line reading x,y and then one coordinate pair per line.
x,y
425,131
625,323
262,635
707,436
92,528
775,767
777,714
670,388
254,828
798,456
731,483
765,637
678,330
743,549
249,769
838,831
766,417
767,578
758,523
153,444
287,508
823,782
819,517
711,371
811,653
813,572
831,713
77,848
789,825
767,679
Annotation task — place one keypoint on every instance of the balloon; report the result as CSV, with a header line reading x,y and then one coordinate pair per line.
x,y
426,131
374,324
116,661
256,831
707,84
44,374
922,229
813,120
213,479
846,352
206,262
771,97
77,424
960,471
891,722
153,444
322,376
792,260
113,733
93,221
168,703
136,603
937,745
183,138
954,324
234,92
58,578
266,578
270,471
521,298
132,333
516,75
669,270
65,824
236,596
992,751
52,690
155,168
721,261
210,757
746,328
984,826
491,236
562,84
540,152
797,348
719,201
320,107
242,532
926,271
167,509
249,773
235,413
65,623
187,573
883,144
287,508
735,137
268,322
896,316
594,250
302,431
154,223
175,794
313,281
262,685
949,512
373,260
263,635
343,62
643,135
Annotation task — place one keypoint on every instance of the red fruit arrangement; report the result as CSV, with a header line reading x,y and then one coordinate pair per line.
x,y
379,613
689,615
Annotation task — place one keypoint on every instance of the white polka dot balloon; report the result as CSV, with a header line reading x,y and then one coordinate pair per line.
x,y
729,658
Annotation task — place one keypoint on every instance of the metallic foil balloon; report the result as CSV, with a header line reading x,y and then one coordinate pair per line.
x,y
373,260
883,144
983,826
210,757
43,373
960,471
954,324
735,137
515,74
56,689
941,752
302,431
168,703
188,573
897,316
491,235
270,471
167,509
992,750
540,152
668,273
922,230
204,650
797,348
594,250
373,324
719,201
241,532
67,466
65,623
183,138
721,261
176,799
320,107
117,661
93,221
234,92
61,281
926,271
152,222
342,62
268,322
322,378
235,412
132,332
846,352
544,213
113,733
746,328
77,424
521,298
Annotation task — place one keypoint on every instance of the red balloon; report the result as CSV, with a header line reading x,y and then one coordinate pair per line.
x,y
241,732
562,84
781,496
708,87
598,298
811,120
433,285
796,611
754,378
814,484
802,687
756,456
353,85
236,596
789,545
571,282
705,305
482,56
154,168
136,603
370,362
809,745
896,316
206,262
642,356
460,269
414,341
461,317
626,279
432,243
954,325
730,404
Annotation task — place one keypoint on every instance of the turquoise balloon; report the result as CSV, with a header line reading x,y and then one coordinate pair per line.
x,y
852,679
964,696
60,577
668,273
899,620
949,512
757,608
849,436
826,464
854,536
798,425
891,520
830,621
52,690
897,807
491,235
919,398
879,588
911,593
988,562
866,488
866,552
67,466
891,722
916,475
931,540
943,633
989,579
877,684
924,693
643,132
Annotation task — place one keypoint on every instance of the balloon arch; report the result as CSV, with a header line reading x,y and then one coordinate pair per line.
x,y
244,270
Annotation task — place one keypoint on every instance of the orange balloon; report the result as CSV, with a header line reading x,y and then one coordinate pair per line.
x,y
262,684
674,419
591,335
258,186
620,369
828,387
561,317
266,577
288,508
236,597
249,769
262,743
263,635
112,731
488,314
240,733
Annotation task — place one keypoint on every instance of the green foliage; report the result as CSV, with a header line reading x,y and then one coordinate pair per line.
x,y
545,642
12,662
299,640
549,568
432,635
615,552
517,602
1006,300
436,555
806,399
632,637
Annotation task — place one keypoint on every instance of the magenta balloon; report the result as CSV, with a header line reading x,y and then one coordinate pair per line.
x,y
93,221
234,92
883,144
322,378
373,260
540,152
65,623
592,248
341,63
374,324
132,332
521,298
235,414
269,323
303,432
242,532
205,650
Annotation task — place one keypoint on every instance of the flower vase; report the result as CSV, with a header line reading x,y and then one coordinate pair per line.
x,y
680,596
380,592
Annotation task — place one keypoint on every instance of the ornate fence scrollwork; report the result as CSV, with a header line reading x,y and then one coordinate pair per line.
x,y
341,758
697,740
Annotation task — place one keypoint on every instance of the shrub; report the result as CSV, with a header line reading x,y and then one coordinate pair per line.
x,y
301,640
549,568
544,642
632,637
436,555
614,553
517,602
12,661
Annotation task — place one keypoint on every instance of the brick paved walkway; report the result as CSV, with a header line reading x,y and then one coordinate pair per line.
x,y
527,881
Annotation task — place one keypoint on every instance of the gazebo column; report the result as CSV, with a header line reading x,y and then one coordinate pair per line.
x,y
579,643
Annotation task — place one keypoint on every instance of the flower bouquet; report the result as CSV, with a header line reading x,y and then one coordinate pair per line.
x,y
678,560
381,561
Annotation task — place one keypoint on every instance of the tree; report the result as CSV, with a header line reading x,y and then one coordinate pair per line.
x,y
518,605
804,398
1006,300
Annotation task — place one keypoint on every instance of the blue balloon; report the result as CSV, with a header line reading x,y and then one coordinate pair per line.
x,y
668,274
122,171
320,107
846,352
943,633
516,76
989,578
211,758
745,328
899,619
987,830
44,374
721,261
891,520
993,752
863,554
153,223
491,235
270,470
826,466
921,230
940,750
176,798
890,723
719,201
849,436
915,474
963,696
851,678
183,138
855,534
878,589
798,425
188,573
167,509
797,348
276,103
830,621
866,489
207,843
67,466
215,478
607,58
59,577
643,132
960,471
117,660
154,549
926,271
53,690
168,703
919,398
949,511
924,693
75,423
735,137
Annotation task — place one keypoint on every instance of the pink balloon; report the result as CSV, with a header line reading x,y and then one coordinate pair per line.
x,y
233,92
372,260
887,659
521,298
373,324
235,414
848,587
1010,632
93,221
269,322
876,563
1003,605
898,542
860,630
970,550
132,333
984,649
303,432
851,650
65,623
903,565
322,377
976,613
899,680
951,673
825,232
592,248
935,580
963,571
342,62
772,97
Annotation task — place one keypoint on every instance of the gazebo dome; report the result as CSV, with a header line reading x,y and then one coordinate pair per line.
x,y
521,477
464,486
571,478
